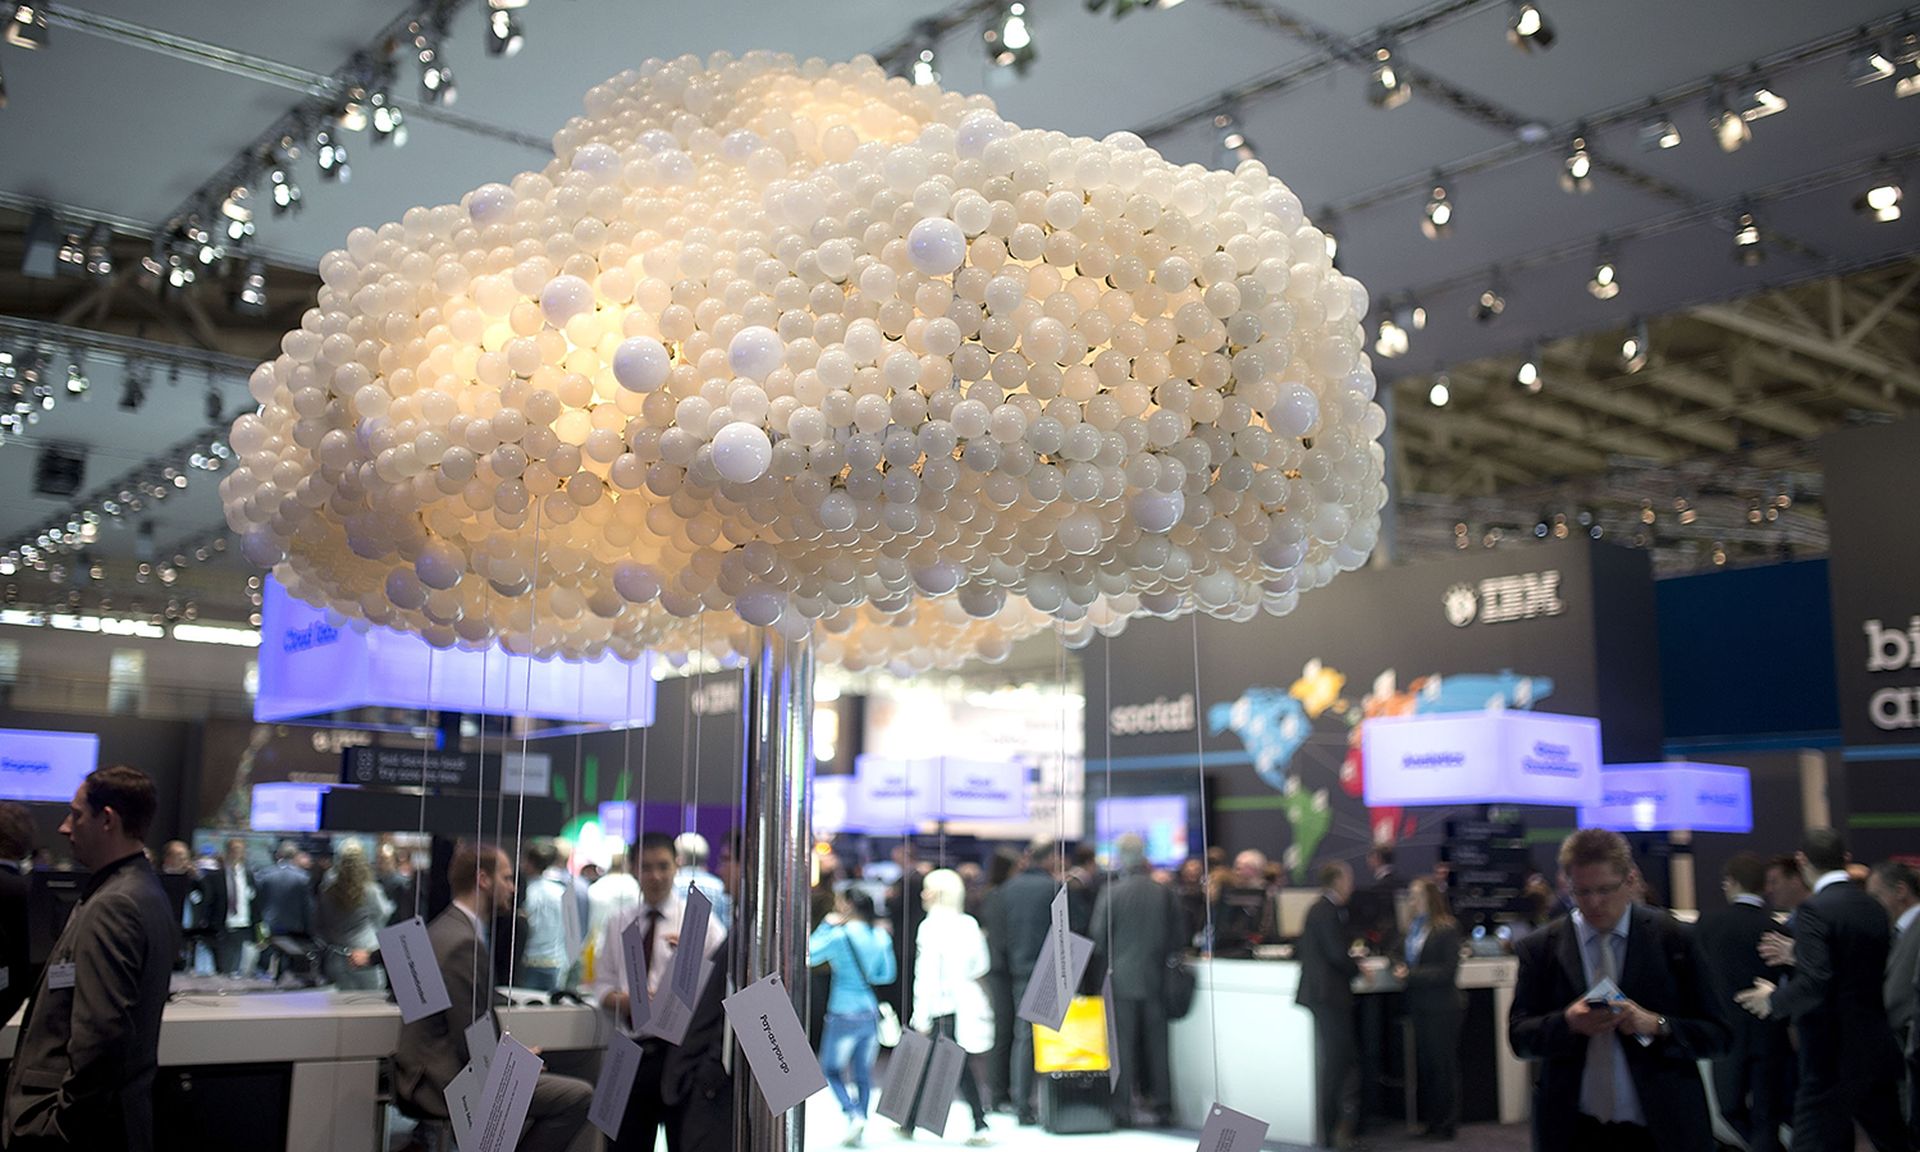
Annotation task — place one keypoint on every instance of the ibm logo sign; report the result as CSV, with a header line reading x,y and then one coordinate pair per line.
x,y
1501,599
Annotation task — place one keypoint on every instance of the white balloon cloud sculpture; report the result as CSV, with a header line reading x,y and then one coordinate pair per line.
x,y
802,346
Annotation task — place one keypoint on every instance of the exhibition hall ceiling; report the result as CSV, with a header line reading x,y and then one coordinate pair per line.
x,y
133,113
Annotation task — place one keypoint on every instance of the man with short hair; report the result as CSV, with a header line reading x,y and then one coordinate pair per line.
x,y
433,1049
1137,930
547,950
83,1073
1753,1082
691,852
17,971
232,910
1327,973
1897,889
1850,1066
285,892
660,913
1617,1073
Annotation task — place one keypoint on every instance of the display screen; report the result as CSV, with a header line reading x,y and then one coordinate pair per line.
x,y
1161,821
286,807
1666,797
45,766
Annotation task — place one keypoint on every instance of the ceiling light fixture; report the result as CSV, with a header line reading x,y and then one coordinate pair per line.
x,y
77,382
1436,219
1528,377
1867,63
1386,87
1232,148
1491,302
922,71
1659,133
1881,200
1748,246
100,250
389,123
1441,392
1908,85
1730,129
436,78
331,156
1009,39
28,28
504,34
1576,171
1604,284
249,299
1527,27
1634,346
1390,340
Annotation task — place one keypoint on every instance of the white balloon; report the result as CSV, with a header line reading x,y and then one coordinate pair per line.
x,y
641,364
742,452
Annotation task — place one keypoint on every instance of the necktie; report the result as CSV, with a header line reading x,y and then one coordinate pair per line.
x,y
1599,1077
654,916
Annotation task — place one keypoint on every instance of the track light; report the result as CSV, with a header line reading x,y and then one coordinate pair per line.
x,y
1659,133
1492,302
1441,392
1748,247
1436,219
1881,200
1009,39
1908,85
1390,340
77,382
1867,64
238,205
28,28
249,299
1527,27
331,155
922,72
352,116
100,251
436,78
1576,171
1758,102
389,123
1730,131
1634,346
1386,88
1528,377
1231,147
1604,284
504,36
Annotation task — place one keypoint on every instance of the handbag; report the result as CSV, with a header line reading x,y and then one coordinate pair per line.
x,y
888,1026
1179,986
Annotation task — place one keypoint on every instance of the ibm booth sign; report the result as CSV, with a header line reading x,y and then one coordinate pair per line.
x,y
1483,758
1669,797
1875,556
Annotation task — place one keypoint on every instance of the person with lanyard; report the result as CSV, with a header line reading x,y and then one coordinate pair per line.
x,y
661,913
860,954
83,1072
1431,971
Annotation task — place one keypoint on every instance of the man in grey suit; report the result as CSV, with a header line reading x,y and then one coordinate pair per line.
x,y
433,1049
285,894
1143,920
83,1073
1897,889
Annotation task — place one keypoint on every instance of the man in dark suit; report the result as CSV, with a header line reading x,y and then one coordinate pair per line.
x,y
1614,1076
1753,1082
1850,1067
695,1084
285,893
433,1049
1327,972
17,975
1026,903
1142,920
82,1076
233,908
1897,889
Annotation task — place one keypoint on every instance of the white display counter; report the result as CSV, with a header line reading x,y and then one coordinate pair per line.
x,y
1263,1052
334,1041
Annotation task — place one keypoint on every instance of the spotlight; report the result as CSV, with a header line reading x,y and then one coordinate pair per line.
x,y
1605,282
922,72
1527,27
1436,219
1440,393
249,299
286,193
28,28
1528,376
238,205
1391,339
1747,239
1232,147
77,382
1881,200
1868,64
1659,133
1908,85
1758,102
331,155
1009,39
504,37
1386,88
100,251
1491,303
1729,128
352,116
1576,171
1634,346
436,78
389,123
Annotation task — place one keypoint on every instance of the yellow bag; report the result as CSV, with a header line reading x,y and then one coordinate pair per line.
x,y
1081,1043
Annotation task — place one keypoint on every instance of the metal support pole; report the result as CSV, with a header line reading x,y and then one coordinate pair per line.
x,y
770,925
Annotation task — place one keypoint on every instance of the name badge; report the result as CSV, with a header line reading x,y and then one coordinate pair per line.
x,y
60,975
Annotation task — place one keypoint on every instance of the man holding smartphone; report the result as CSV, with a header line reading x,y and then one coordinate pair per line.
x,y
1617,1004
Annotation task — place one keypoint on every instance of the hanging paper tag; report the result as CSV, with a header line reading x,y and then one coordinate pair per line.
x,y
463,1099
693,942
1043,1003
909,1059
481,1041
610,1093
775,1043
507,1096
412,971
942,1083
669,1015
1230,1131
633,949
1113,1033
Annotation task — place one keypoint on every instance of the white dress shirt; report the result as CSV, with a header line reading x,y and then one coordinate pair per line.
x,y
1750,898
610,959
1837,876
1905,922
239,898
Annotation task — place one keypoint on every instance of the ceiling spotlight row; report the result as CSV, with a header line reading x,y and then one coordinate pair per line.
x,y
151,483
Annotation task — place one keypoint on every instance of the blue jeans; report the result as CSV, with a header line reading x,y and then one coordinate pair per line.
x,y
848,1045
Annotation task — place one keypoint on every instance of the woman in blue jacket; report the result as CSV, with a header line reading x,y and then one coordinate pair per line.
x,y
860,954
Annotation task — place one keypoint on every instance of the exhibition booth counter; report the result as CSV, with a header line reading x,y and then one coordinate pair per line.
x,y
313,1055
1264,1055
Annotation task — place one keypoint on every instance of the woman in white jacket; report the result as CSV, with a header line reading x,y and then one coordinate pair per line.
x,y
948,997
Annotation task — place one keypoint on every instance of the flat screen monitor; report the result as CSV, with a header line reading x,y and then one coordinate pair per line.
x,y
45,766
1161,821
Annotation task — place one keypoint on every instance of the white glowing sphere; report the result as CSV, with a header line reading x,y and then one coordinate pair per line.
x,y
936,246
742,452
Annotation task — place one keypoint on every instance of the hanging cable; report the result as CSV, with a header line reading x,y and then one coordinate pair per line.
x,y
1200,756
526,735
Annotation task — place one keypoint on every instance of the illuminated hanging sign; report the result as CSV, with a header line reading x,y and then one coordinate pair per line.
x,y
45,766
313,666
1482,758
1676,796
285,807
887,795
